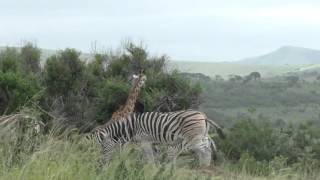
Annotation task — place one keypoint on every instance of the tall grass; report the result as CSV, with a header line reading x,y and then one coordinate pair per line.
x,y
29,154
70,159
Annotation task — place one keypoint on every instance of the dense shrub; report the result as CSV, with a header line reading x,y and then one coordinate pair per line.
x,y
63,73
10,60
18,89
263,142
17,86
113,93
30,57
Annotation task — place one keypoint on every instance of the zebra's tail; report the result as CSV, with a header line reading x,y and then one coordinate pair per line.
x,y
218,128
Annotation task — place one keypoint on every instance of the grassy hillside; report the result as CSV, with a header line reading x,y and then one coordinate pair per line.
x,y
226,68
277,99
286,55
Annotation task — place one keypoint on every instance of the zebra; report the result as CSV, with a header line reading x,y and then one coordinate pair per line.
x,y
180,131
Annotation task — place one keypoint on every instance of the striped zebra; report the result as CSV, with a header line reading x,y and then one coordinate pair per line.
x,y
180,131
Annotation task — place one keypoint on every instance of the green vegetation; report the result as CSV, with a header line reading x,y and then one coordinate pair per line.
x,y
272,125
87,93
225,69
276,99
27,153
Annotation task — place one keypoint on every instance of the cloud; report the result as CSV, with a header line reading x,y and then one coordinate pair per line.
x,y
184,29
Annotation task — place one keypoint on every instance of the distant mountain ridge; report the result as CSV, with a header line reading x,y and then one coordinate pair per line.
x,y
286,55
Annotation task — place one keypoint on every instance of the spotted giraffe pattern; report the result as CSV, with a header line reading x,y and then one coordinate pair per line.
x,y
129,106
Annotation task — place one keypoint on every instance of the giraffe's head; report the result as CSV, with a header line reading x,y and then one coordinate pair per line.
x,y
140,79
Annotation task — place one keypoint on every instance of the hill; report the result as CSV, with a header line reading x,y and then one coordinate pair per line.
x,y
286,55
226,68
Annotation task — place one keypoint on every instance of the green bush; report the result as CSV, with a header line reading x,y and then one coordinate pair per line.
x,y
262,142
113,93
249,165
10,60
18,88
30,57
258,139
63,73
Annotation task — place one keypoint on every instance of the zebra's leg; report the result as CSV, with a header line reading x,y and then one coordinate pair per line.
x,y
173,152
203,150
157,152
213,149
148,151
107,149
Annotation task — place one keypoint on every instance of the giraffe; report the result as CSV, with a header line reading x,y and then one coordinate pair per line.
x,y
128,107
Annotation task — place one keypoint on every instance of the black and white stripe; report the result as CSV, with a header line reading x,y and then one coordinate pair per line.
x,y
181,130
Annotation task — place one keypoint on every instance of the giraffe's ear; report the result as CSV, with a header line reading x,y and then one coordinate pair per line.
x,y
135,76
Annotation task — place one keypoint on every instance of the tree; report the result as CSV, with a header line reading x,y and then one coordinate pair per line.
x,y
255,75
4,100
292,79
234,78
247,79
280,123
98,66
30,56
16,89
112,94
63,72
9,60
218,78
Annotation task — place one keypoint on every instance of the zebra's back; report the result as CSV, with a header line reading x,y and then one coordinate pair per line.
x,y
169,127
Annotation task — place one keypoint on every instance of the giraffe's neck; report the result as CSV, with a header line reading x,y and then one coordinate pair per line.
x,y
132,98
130,103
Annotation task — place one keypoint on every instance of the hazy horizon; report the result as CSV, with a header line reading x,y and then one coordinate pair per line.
x,y
204,30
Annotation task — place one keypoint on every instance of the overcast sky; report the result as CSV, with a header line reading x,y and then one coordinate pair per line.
x,y
199,30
